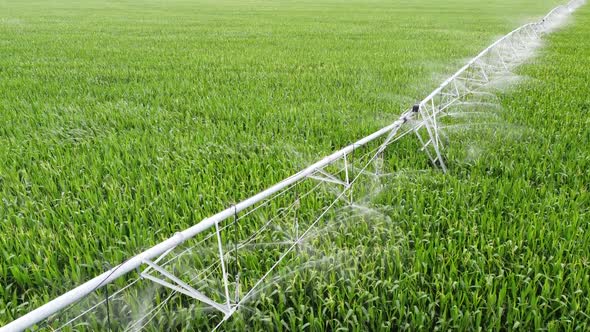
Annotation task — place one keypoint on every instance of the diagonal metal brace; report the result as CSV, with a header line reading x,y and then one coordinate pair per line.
x,y
181,286
430,124
326,177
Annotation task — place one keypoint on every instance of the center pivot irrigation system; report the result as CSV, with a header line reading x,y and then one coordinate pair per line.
x,y
226,271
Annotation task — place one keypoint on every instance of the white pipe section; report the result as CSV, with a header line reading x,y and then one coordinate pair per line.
x,y
472,61
61,302
574,4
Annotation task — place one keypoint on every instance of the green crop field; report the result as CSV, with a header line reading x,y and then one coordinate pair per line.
x,y
124,122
